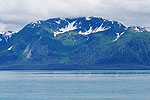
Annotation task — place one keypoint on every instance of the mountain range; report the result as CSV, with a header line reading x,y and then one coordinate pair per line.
x,y
75,43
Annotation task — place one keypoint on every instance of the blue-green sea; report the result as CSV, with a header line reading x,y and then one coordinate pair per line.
x,y
75,85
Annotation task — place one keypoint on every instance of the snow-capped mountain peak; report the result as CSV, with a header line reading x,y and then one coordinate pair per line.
x,y
6,35
71,41
67,28
81,25
138,29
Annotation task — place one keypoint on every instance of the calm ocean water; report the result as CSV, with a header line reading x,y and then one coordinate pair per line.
x,y
75,85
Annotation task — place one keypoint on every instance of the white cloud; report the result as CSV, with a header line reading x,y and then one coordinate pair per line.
x,y
21,12
10,26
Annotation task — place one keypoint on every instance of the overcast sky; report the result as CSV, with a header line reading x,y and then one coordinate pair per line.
x,y
14,14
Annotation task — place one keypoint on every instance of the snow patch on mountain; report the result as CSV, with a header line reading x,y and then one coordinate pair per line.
x,y
10,48
148,29
88,18
68,28
120,25
36,22
6,35
118,36
138,29
26,50
29,54
87,32
98,29
101,28
58,22
33,24
112,22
